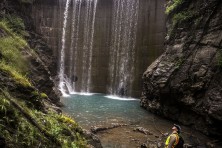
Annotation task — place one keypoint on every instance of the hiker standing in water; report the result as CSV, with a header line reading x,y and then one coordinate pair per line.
x,y
175,140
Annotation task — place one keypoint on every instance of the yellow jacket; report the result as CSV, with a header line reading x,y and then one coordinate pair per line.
x,y
172,140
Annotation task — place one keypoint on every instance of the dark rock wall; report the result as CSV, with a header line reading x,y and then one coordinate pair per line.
x,y
48,19
185,82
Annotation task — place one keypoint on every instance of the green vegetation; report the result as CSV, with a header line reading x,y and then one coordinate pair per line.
x,y
30,130
174,4
24,122
16,24
12,61
18,77
43,95
182,17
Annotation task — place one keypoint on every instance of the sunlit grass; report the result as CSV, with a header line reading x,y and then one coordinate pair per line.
x,y
12,71
12,60
10,49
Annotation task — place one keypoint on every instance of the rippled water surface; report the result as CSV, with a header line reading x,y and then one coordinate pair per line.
x,y
100,110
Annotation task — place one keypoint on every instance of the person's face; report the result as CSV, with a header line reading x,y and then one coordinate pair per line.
x,y
174,128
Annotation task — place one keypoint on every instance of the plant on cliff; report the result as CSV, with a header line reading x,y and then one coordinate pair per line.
x,y
172,5
25,127
182,17
12,61
24,119
16,24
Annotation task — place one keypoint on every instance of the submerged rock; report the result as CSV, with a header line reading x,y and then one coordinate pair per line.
x,y
96,129
143,130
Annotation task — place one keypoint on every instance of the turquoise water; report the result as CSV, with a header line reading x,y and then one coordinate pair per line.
x,y
100,110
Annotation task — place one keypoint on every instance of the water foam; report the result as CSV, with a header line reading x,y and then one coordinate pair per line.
x,y
120,98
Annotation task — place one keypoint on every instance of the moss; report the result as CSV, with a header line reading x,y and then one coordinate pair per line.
x,y
173,5
18,77
182,17
43,95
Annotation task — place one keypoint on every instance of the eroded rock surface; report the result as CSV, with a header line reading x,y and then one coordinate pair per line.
x,y
185,82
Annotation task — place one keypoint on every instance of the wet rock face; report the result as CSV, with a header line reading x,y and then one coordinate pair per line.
x,y
185,82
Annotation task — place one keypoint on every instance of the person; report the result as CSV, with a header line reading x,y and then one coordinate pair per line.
x,y
173,139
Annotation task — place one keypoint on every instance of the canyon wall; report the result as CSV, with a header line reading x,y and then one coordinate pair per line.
x,y
184,83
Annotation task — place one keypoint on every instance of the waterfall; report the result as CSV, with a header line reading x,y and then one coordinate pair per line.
x,y
77,51
88,44
74,43
123,43
62,60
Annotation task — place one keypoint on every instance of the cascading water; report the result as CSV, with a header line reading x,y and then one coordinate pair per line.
x,y
74,43
123,42
79,52
62,62
88,44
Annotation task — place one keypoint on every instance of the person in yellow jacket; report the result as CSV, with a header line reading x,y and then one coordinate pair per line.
x,y
173,138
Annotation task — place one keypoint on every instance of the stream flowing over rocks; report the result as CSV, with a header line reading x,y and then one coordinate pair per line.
x,y
185,83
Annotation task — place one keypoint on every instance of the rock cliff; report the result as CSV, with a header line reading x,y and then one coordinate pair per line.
x,y
185,82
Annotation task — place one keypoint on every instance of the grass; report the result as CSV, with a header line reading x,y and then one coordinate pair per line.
x,y
12,61
10,49
21,124
17,130
17,76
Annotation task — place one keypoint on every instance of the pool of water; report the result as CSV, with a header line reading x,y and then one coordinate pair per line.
x,y
101,110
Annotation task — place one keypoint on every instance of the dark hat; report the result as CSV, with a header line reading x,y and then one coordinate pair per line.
x,y
178,127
